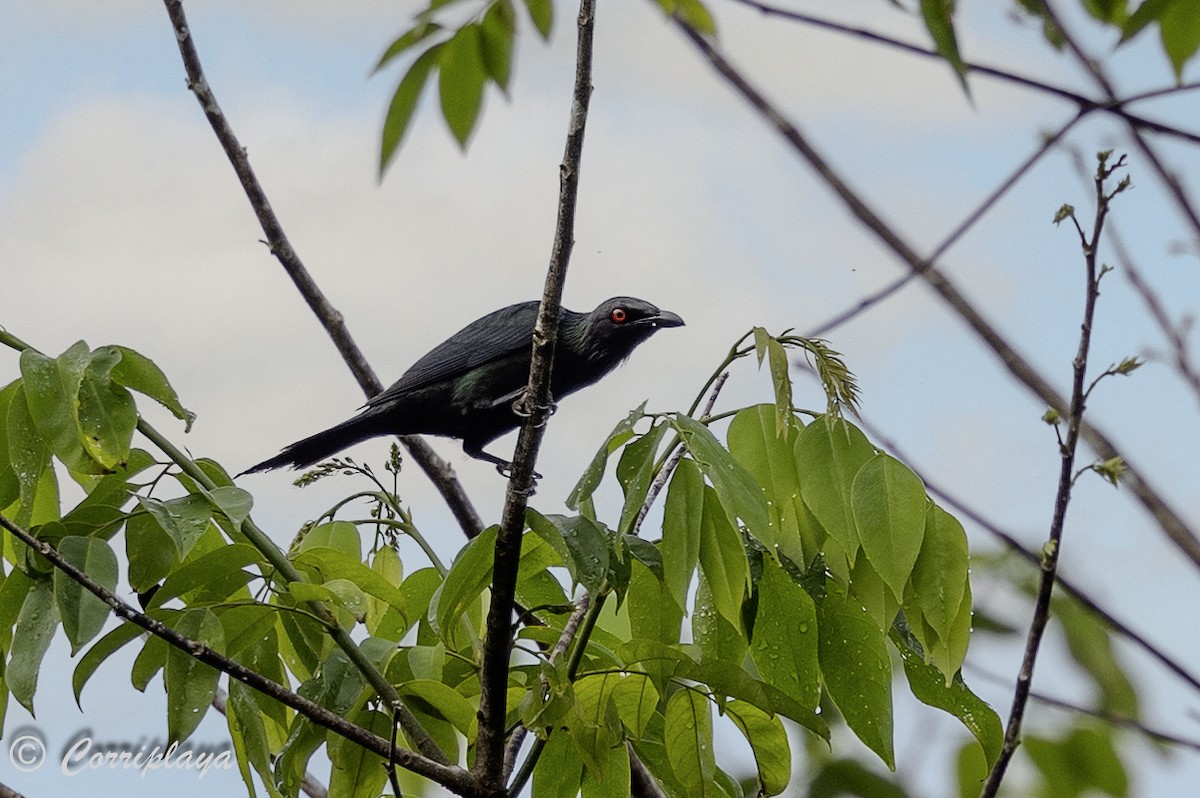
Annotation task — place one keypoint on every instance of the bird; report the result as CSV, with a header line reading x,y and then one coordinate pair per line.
x,y
466,386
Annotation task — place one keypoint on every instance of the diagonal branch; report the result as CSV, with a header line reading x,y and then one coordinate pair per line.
x,y
451,776
438,471
1093,67
489,755
1171,523
1111,104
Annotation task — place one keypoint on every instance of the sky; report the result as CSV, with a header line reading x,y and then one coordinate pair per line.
x,y
121,222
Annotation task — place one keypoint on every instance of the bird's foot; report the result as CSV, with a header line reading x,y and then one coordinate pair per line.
x,y
522,408
506,470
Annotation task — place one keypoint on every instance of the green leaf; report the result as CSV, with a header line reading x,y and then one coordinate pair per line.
x,y
183,519
723,559
1089,641
586,544
234,503
333,565
593,724
461,77
151,551
829,452
635,472
441,701
83,614
404,103
939,577
139,373
594,474
768,740
51,390
1179,27
653,613
497,29
107,413
104,648
1082,763
692,12
10,488
857,670
636,701
249,736
931,688
769,348
31,637
340,535
415,35
28,457
939,21
357,772
465,582
190,683
542,14
689,741
681,529
740,496
152,658
719,638
785,636
768,455
889,503
559,770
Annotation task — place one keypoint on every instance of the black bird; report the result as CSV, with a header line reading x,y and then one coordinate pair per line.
x,y
465,388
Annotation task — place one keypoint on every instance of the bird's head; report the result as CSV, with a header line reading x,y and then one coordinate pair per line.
x,y
618,325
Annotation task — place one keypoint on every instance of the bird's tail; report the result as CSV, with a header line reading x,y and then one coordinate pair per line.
x,y
315,448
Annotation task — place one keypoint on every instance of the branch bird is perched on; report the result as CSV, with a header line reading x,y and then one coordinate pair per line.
x,y
465,388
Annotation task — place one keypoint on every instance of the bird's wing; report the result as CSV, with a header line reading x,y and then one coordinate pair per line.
x,y
492,337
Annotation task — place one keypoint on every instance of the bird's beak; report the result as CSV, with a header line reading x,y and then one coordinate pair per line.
x,y
664,318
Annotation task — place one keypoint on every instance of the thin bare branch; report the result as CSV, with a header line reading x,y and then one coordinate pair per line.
x,y
958,232
1171,523
438,470
1053,548
1100,714
1093,67
489,757
1086,104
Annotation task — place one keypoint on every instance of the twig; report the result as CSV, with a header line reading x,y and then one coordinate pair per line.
x,y
489,752
660,479
438,471
1074,420
451,776
560,647
1149,154
1171,523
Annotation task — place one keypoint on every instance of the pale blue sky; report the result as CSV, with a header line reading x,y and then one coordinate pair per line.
x,y
118,210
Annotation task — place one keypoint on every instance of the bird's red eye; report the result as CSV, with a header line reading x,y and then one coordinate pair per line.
x,y
618,315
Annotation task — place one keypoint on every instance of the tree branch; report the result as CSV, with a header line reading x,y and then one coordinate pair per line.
x,y
489,752
1094,68
451,776
1086,104
438,471
1066,477
1171,523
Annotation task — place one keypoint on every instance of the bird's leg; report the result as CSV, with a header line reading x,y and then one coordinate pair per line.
x,y
475,450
